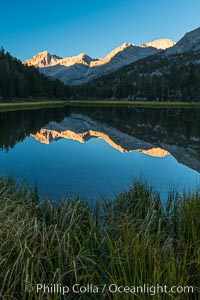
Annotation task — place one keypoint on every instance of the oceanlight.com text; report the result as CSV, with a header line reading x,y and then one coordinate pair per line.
x,y
152,290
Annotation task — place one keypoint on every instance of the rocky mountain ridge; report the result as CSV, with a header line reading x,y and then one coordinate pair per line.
x,y
189,42
82,68
169,75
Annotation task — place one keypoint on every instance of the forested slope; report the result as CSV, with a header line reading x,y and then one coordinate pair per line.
x,y
19,81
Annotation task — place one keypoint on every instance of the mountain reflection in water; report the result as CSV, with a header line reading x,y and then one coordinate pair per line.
x,y
158,133
81,128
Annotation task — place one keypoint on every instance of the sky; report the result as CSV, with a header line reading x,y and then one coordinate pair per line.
x,y
95,27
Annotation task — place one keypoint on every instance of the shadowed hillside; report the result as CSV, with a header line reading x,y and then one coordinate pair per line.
x,y
19,81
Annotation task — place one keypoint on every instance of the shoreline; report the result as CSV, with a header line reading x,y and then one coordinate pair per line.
x,y
13,106
26,105
142,104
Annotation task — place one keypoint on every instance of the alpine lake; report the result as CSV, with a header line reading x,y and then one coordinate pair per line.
x,y
97,152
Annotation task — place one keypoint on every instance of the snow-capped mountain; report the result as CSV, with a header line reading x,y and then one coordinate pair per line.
x,y
190,42
161,44
82,68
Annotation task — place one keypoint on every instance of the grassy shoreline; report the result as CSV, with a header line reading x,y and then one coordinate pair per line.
x,y
24,105
132,241
145,104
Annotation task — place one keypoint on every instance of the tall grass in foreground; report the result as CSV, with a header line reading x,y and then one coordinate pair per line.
x,y
130,242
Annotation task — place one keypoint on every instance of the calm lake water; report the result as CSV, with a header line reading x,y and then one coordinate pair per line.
x,y
99,151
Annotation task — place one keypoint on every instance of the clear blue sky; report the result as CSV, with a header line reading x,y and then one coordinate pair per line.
x,y
67,28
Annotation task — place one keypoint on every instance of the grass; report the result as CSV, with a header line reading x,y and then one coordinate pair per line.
x,y
145,104
24,105
132,241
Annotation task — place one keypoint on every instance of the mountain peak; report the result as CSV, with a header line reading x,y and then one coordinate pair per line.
x,y
125,45
45,52
81,58
160,44
117,50
42,59
122,47
85,57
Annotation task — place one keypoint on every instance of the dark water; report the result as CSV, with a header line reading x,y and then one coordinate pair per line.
x,y
99,151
